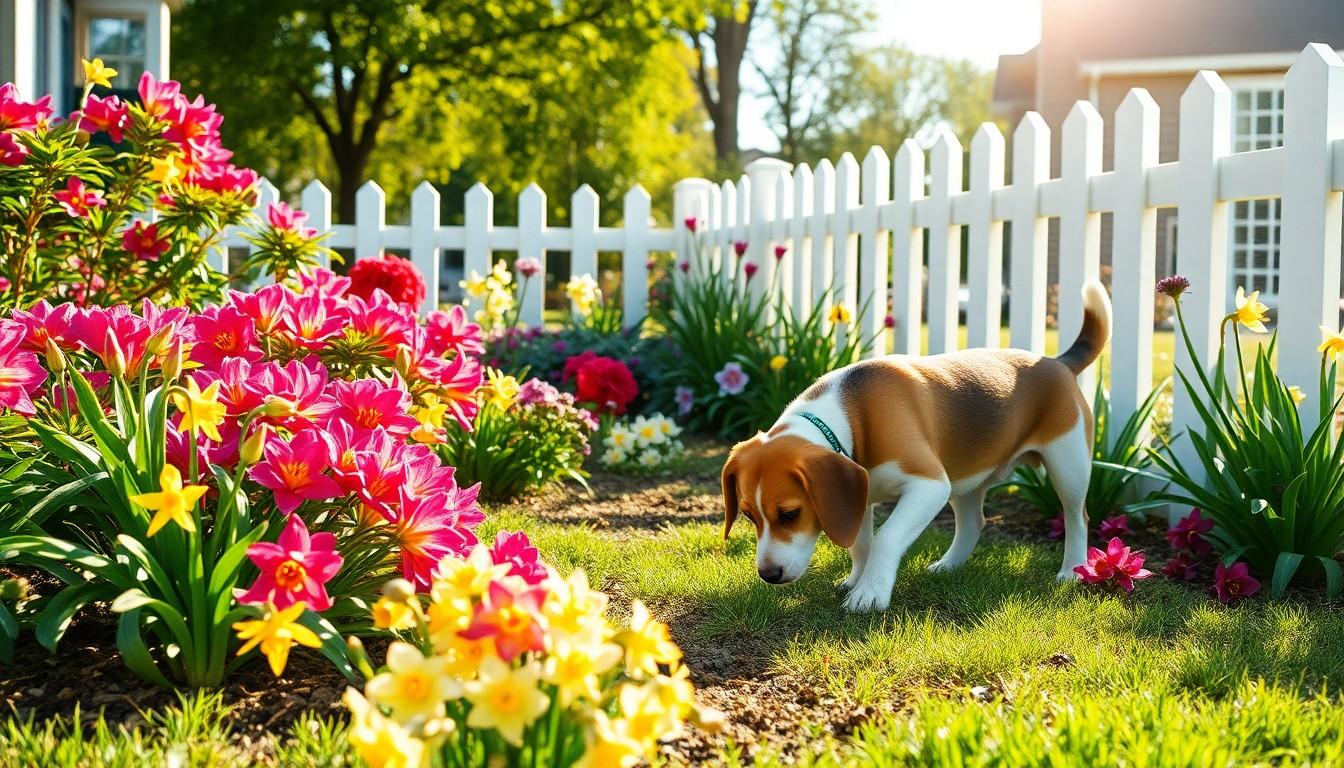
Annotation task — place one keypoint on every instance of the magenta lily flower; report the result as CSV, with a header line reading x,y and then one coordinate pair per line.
x,y
1114,526
1117,564
78,199
1188,532
1234,582
221,333
516,551
296,568
369,404
430,528
451,334
294,470
20,371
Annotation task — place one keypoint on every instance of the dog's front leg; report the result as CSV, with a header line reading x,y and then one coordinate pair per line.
x,y
860,550
921,500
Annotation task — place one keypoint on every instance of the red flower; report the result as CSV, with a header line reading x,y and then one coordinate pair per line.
x,y
77,199
750,269
1234,582
142,241
1186,534
780,250
12,153
604,382
1180,567
395,276
739,247
691,224
1113,526
108,115
1117,565
19,115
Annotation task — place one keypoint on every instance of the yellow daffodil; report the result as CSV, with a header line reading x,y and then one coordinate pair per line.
x,y
413,686
576,669
1297,394
392,614
200,410
463,656
431,411
647,717
839,315
173,501
380,742
778,362
474,286
583,293
501,274
1250,312
505,698
1332,343
276,632
96,73
165,170
574,612
466,577
647,643
609,745
500,390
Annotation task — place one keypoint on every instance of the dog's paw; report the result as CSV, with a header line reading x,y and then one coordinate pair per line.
x,y
944,565
864,598
849,582
1066,574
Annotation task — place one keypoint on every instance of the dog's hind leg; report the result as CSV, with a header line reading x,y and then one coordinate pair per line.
x,y
969,509
1068,460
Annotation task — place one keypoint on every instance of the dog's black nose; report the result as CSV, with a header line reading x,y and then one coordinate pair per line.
x,y
772,574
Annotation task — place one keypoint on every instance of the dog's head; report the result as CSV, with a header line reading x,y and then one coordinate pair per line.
x,y
792,491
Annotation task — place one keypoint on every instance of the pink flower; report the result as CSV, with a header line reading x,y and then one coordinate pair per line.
x,y
300,386
1057,528
691,224
516,551
684,266
780,250
378,475
20,372
749,269
457,387
1117,564
739,247
77,199
286,219
142,241
267,306
431,527
312,322
512,618
451,334
732,379
528,267
685,398
1114,526
323,282
42,321
294,470
19,115
13,152
295,568
223,332
158,97
1187,534
369,404
889,321
108,115
380,320
1234,582
1180,567
193,125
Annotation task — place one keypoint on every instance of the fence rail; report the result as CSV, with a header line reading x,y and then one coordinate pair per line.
x,y
852,225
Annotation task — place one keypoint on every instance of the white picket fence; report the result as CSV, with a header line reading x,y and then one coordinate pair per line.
x,y
848,226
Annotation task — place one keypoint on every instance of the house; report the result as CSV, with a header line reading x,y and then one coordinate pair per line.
x,y
1097,50
42,42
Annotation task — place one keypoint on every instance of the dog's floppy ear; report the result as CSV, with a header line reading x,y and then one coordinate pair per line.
x,y
837,488
729,481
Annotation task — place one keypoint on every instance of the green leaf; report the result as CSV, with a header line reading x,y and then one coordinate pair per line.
x,y
9,632
1332,576
1285,567
131,646
333,645
61,609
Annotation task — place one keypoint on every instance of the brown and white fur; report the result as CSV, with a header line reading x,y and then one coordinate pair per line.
x,y
922,431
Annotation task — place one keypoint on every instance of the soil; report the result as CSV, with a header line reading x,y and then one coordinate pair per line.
x,y
86,676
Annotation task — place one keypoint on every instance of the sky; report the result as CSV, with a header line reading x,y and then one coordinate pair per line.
x,y
979,30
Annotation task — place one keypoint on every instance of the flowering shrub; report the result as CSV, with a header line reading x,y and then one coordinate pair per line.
x,y
260,466
524,438
604,385
544,352
645,441
508,663
735,359
1270,480
395,276
75,222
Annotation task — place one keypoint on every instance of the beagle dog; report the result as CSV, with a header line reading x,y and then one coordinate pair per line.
x,y
919,431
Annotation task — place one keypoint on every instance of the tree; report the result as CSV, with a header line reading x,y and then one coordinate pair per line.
x,y
812,44
359,70
724,34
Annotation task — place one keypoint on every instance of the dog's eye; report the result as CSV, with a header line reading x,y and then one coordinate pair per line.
x,y
788,515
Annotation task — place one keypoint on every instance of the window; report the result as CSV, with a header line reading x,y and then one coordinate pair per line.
x,y
1257,124
120,43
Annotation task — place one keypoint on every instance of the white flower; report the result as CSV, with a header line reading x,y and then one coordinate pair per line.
x,y
649,458
614,456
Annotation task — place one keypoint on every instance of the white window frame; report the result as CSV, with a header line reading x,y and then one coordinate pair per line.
x,y
127,74
154,14
1244,219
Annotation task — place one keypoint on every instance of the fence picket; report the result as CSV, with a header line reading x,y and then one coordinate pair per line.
x,y
370,213
907,277
873,245
984,255
844,277
583,218
944,244
1079,225
634,260
424,241
531,226
800,245
316,202
479,207
1028,272
819,232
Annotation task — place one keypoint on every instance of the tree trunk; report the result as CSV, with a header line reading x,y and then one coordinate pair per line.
x,y
730,48
350,171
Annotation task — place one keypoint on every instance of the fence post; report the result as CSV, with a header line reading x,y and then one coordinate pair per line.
x,y
531,223
1029,267
691,200
800,247
1133,255
424,241
1079,226
634,261
1313,120
583,218
780,222
846,241
370,219
728,221
266,194
316,202
764,175
1205,137
944,245
819,232
873,240
907,253
984,255
479,220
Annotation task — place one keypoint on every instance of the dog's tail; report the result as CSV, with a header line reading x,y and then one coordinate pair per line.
x,y
1096,329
